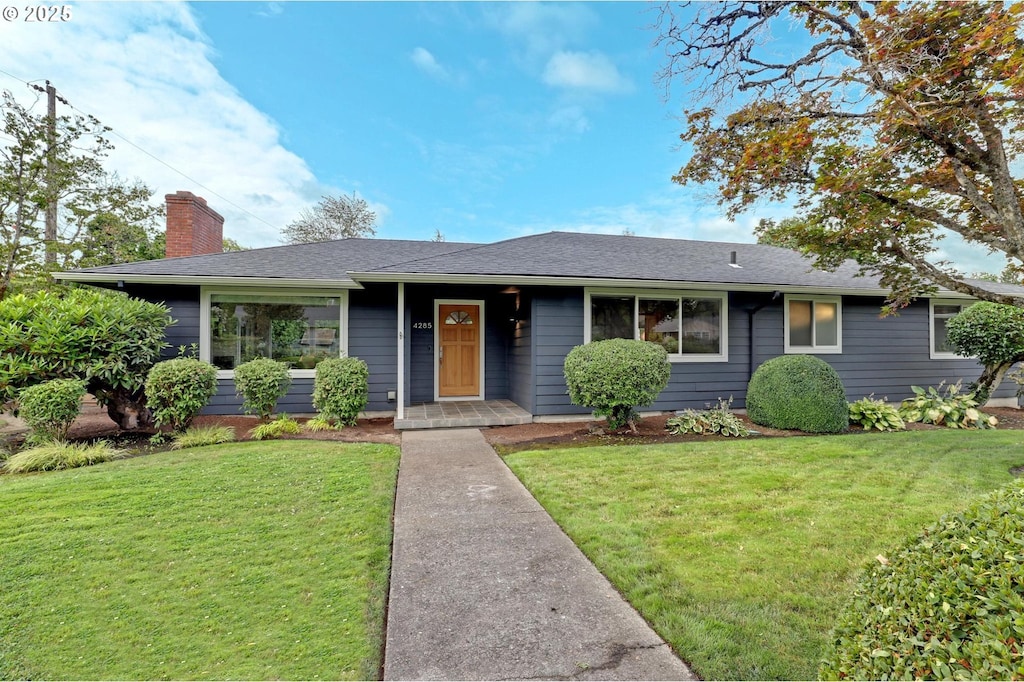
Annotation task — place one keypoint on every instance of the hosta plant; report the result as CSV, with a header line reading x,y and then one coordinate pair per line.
x,y
876,414
952,408
718,420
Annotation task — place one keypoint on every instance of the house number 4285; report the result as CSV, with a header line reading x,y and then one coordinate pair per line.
x,y
422,325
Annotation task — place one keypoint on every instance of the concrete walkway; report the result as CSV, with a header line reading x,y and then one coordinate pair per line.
x,y
484,585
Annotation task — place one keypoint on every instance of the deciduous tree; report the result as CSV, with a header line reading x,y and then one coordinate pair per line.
x,y
888,124
102,219
340,217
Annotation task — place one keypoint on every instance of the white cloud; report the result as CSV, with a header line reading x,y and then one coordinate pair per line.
x,y
428,64
145,69
540,28
585,71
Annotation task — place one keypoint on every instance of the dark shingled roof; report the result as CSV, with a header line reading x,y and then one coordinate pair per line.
x,y
579,255
324,260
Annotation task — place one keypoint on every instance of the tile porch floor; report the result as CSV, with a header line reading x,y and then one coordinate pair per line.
x,y
462,414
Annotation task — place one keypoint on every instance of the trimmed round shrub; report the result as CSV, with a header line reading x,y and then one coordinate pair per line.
x,y
261,383
615,376
341,389
51,407
949,604
177,389
798,392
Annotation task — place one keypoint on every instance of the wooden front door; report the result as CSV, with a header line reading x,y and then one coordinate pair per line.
x,y
458,358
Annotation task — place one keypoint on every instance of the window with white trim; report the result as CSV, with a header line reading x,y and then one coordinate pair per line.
x,y
690,326
300,329
940,312
813,324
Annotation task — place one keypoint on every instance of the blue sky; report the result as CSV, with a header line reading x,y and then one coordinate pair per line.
x,y
481,120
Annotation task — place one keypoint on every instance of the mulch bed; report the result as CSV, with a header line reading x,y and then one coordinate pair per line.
x,y
94,423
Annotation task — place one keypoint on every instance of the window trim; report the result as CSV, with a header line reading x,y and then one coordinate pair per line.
x,y
664,295
204,320
932,302
813,349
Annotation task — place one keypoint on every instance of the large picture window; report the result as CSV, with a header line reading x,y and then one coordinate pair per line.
x,y
690,326
300,330
814,325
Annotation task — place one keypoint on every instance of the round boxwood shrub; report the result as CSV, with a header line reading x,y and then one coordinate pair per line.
x,y
51,407
798,392
947,605
615,376
341,389
261,383
177,389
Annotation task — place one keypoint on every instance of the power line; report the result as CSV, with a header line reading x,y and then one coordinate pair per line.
x,y
150,155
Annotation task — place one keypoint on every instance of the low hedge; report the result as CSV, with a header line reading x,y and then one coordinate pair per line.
x,y
949,604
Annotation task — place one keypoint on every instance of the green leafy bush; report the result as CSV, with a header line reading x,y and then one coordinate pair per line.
x,y
947,605
176,390
993,333
718,420
798,392
106,339
198,436
341,389
51,407
615,376
58,455
274,429
876,414
955,410
261,383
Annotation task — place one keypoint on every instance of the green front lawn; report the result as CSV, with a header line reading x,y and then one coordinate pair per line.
x,y
241,561
740,553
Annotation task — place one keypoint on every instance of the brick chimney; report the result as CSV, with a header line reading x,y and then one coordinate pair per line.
x,y
193,228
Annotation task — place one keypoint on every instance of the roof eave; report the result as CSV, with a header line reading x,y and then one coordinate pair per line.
x,y
538,280
201,280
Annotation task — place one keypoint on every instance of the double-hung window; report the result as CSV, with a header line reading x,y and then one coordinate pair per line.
x,y
813,324
941,312
691,326
299,329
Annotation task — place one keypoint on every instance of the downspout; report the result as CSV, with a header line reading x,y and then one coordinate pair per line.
x,y
750,327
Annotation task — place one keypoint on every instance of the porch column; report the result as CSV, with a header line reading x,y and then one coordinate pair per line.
x,y
400,411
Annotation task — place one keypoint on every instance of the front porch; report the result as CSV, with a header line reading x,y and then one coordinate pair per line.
x,y
463,413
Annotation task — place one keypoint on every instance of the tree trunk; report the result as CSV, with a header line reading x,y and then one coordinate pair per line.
x,y
127,408
989,381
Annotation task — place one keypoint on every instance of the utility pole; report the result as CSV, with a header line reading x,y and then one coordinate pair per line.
x,y
50,233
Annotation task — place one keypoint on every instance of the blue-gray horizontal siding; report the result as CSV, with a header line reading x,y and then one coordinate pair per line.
x,y
881,356
298,400
373,338
885,356
521,364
